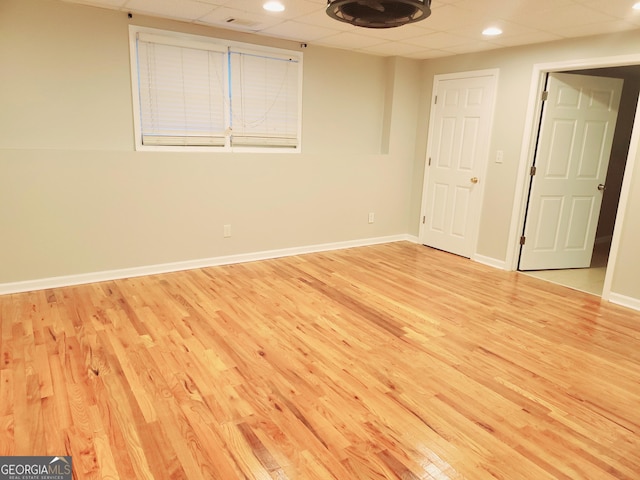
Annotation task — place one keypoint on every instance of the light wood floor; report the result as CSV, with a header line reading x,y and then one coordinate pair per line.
x,y
385,362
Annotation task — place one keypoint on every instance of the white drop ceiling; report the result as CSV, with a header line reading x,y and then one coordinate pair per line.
x,y
454,27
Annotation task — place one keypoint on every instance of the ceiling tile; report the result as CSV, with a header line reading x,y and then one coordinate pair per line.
x,y
238,19
438,40
455,26
616,8
395,34
321,19
509,30
525,38
428,53
471,47
182,9
393,49
585,30
293,8
298,31
349,40
507,9
116,4
566,16
448,17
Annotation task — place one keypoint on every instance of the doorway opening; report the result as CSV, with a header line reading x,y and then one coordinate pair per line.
x,y
592,278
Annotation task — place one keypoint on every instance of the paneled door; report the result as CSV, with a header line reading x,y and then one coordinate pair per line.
x,y
570,167
457,152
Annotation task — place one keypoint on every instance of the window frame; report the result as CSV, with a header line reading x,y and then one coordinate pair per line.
x,y
214,43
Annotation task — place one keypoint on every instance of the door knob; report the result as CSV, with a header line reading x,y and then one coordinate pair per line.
x,y
601,187
474,179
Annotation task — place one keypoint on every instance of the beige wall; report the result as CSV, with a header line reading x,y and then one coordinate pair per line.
x,y
76,198
626,278
516,67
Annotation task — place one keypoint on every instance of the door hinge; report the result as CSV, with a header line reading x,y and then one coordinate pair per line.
x,y
435,101
424,219
429,161
545,96
533,171
523,239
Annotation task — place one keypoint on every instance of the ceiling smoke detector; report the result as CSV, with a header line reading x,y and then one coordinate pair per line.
x,y
379,13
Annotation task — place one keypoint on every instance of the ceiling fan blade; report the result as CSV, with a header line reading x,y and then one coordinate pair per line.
x,y
374,5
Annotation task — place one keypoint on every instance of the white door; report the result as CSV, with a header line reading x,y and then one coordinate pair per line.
x,y
460,128
575,138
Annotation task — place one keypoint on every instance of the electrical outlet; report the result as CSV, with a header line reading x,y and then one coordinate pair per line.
x,y
372,217
227,231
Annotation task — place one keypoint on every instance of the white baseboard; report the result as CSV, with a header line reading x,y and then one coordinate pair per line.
x,y
624,301
491,262
412,238
69,280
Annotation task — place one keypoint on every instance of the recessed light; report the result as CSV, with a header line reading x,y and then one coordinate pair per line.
x,y
273,7
492,31
636,6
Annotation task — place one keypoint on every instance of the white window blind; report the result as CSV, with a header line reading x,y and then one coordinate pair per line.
x,y
182,94
194,91
264,99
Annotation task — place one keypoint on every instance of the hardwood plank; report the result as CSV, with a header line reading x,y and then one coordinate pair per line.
x,y
6,392
7,438
43,371
103,448
391,361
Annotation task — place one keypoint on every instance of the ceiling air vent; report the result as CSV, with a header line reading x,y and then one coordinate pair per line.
x,y
241,22
379,13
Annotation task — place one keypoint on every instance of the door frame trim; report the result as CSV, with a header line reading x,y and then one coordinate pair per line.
x,y
532,124
489,72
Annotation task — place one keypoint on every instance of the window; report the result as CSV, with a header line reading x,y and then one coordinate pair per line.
x,y
203,94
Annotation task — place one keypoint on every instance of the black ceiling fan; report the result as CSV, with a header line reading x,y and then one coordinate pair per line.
x,y
379,13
